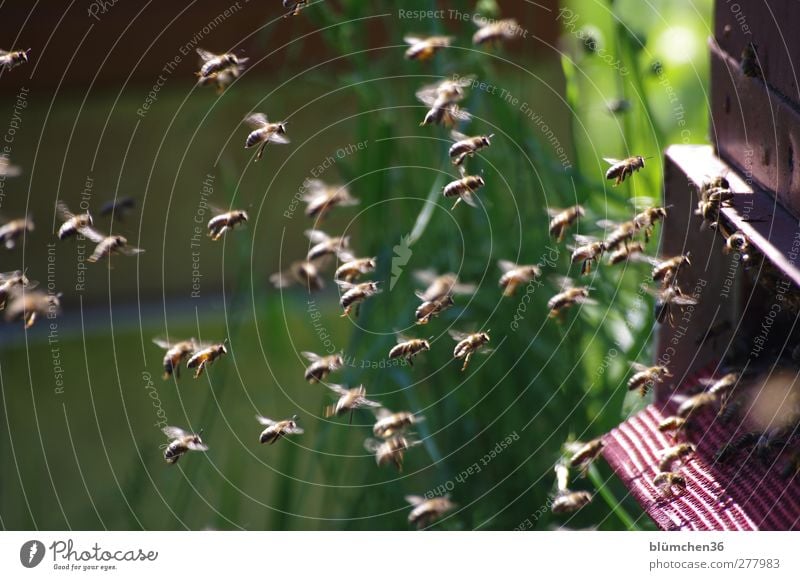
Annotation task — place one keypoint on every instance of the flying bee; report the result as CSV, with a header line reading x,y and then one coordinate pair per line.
x,y
620,234
749,62
408,348
442,99
205,357
321,198
668,481
439,286
427,511
118,208
176,353
264,132
12,59
277,429
224,222
294,7
388,424
180,443
222,79
107,245
11,282
666,271
668,298
462,189
354,294
570,296
432,308
644,377
673,454
587,251
626,252
302,272
215,63
391,450
423,48
562,219
647,220
349,401
695,403
354,269
570,501
723,385
321,366
672,424
468,344
494,31
621,169
14,229
586,454
738,243
325,245
7,169
72,224
467,146
29,305
515,275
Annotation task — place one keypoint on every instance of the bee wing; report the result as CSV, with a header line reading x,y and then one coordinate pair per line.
x,y
197,446
6,275
425,276
583,240
415,500
131,250
381,412
612,160
281,279
345,286
205,55
338,389
345,256
684,300
316,236
3,52
458,114
554,211
427,94
311,356
642,202
461,288
506,265
458,336
314,188
458,136
277,138
586,300
370,403
162,343
63,211
265,421
372,445
412,39
638,367
563,282
295,431
174,432
256,120
608,224
92,234
467,197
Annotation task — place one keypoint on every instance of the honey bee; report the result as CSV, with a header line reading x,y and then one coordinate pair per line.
x,y
442,99
673,454
12,59
321,366
493,31
588,251
423,48
388,424
72,224
621,169
432,308
644,377
277,429
666,271
561,219
439,286
180,443
205,357
7,169
647,220
468,344
619,234
349,401
355,268
216,63
669,297
302,272
570,501
586,454
31,305
626,252
722,385
176,353
467,146
264,133
118,208
427,511
107,245
695,403
11,282
391,450
354,294
221,80
714,195
321,198
408,348
749,62
294,6
738,243
222,223
570,296
668,481
672,424
325,245
12,230
515,275
463,188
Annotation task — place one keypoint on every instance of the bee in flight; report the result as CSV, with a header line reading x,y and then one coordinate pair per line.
x,y
349,401
644,377
388,424
439,286
176,353
586,453
14,229
666,271
620,234
325,245
667,299
669,481
569,296
352,270
107,245
294,7
118,208
391,450
515,275
464,146
468,344
463,188
408,348
587,251
206,356
494,31
723,385
321,366
213,64
12,59
264,133
13,282
622,169
29,305
72,224
354,294
221,80
225,221
442,99
7,169
695,403
673,454
180,443
426,511
277,429
633,251
303,272
423,48
432,308
646,220
672,424
562,219
570,501
322,198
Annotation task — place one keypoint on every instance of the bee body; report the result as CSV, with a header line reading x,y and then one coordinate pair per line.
x,y
570,501
669,297
390,451
567,298
468,345
587,453
495,31
626,252
321,366
216,63
303,272
432,308
11,231
295,6
467,146
13,59
30,305
563,219
621,234
111,245
352,270
325,245
515,275
672,424
426,511
390,424
321,198
423,49
408,349
463,189
588,254
622,169
349,400
644,378
175,354
220,224
667,481
181,442
354,294
277,429
695,403
442,99
666,270
673,454
12,283
264,133
205,357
